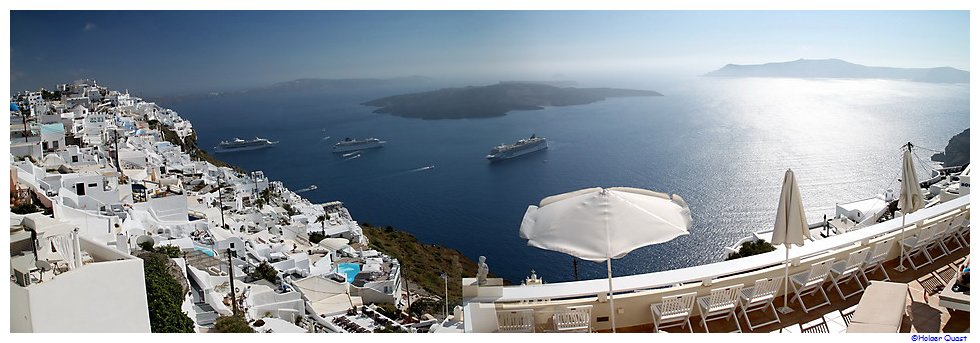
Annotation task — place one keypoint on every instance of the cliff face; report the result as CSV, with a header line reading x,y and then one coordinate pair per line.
x,y
957,151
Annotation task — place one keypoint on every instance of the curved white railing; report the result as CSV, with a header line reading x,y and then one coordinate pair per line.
x,y
708,272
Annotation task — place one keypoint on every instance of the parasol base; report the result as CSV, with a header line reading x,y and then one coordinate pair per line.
x,y
785,310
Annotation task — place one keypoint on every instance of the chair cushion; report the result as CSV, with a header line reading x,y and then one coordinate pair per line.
x,y
882,303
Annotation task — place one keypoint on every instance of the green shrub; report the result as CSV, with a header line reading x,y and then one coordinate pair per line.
x,y
25,208
751,248
169,250
232,324
164,296
265,271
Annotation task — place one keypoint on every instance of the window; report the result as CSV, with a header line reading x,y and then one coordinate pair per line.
x,y
74,159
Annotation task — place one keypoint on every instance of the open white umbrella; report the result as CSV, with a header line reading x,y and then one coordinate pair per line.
x,y
334,244
600,224
909,199
790,227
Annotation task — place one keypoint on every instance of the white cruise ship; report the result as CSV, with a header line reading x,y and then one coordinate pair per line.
x,y
239,144
522,147
353,144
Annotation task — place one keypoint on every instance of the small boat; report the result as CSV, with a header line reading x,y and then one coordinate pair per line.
x,y
353,157
351,154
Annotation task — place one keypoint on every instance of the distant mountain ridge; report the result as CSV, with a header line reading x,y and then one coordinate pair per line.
x,y
835,68
493,100
316,83
304,84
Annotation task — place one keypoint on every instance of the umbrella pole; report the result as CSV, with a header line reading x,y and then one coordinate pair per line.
x,y
612,306
901,263
785,309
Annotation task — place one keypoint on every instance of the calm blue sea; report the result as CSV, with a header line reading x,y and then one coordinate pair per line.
x,y
722,144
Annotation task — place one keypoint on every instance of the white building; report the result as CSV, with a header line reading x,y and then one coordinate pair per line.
x,y
88,287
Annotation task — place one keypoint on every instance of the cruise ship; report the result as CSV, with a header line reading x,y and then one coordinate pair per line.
x,y
353,144
239,144
522,147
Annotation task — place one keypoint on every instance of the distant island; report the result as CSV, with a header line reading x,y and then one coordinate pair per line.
x,y
493,100
957,152
839,69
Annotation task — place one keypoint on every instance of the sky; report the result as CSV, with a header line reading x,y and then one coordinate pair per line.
x,y
183,52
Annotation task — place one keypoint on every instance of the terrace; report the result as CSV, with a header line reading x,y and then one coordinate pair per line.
x,y
635,294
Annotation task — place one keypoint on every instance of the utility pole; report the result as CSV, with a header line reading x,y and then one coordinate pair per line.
x,y
221,206
408,290
115,135
445,311
231,281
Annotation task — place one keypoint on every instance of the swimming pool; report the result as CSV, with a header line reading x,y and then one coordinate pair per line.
x,y
206,251
349,269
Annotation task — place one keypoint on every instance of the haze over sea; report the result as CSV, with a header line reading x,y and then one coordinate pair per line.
x,y
722,144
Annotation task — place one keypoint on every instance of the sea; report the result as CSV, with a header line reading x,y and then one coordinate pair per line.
x,y
723,144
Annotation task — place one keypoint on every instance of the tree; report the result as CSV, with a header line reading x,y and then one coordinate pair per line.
x,y
322,219
265,271
164,296
232,324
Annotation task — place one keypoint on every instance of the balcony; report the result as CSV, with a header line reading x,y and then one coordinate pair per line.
x,y
636,293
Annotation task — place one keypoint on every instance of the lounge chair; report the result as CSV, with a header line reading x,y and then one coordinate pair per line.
x,y
720,304
674,310
845,271
810,282
759,297
881,308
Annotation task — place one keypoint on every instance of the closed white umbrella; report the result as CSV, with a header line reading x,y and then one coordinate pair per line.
x,y
600,224
909,199
790,227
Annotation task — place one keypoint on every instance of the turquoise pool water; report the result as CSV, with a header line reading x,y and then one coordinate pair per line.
x,y
206,251
349,269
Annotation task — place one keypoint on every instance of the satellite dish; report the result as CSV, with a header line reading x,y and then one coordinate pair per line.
x,y
144,239
43,265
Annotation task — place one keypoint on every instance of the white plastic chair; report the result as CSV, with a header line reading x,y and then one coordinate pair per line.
x,y
845,271
952,233
720,304
937,239
916,245
876,259
811,282
962,226
573,319
759,297
673,311
515,321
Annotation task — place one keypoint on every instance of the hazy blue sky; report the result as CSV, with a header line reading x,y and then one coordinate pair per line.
x,y
187,51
